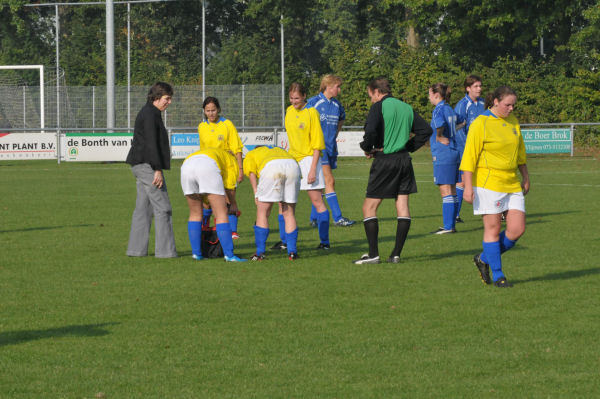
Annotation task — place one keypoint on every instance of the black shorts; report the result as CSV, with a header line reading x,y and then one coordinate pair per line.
x,y
391,175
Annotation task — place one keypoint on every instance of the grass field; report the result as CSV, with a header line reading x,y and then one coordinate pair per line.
x,y
79,319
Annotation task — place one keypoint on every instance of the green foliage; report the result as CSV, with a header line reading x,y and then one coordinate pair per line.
x,y
355,39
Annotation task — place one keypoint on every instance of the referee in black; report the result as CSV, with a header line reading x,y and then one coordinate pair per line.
x,y
387,139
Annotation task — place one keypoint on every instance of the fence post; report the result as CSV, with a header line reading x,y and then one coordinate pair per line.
x,y
24,111
58,149
244,107
572,137
94,108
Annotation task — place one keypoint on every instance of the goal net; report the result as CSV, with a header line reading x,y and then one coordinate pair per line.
x,y
28,97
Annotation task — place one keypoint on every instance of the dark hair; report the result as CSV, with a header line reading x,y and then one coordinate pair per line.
x,y
381,84
158,90
499,95
297,87
442,89
471,80
211,100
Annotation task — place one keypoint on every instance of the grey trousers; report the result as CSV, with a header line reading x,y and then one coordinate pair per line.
x,y
151,201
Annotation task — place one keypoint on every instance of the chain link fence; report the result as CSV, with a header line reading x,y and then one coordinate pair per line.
x,y
84,107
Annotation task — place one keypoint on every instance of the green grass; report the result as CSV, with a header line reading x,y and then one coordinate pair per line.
x,y
79,319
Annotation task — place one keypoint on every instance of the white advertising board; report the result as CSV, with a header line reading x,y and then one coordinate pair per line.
x,y
78,147
27,146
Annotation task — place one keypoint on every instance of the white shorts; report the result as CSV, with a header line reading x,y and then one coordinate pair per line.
x,y
201,175
305,164
279,181
488,202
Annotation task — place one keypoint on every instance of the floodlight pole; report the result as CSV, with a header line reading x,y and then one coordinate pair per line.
x,y
110,65
203,49
57,25
282,76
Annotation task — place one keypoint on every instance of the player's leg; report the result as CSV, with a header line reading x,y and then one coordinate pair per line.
x,y
291,229
491,245
448,194
261,228
402,227
233,221
218,203
195,205
371,225
331,195
460,189
322,217
280,245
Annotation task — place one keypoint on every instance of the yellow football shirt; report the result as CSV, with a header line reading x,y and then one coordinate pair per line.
x,y
222,134
303,131
493,152
255,160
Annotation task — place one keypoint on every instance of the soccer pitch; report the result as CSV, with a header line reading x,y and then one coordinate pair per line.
x,y
79,319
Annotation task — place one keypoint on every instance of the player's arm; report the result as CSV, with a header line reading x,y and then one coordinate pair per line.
x,y
468,194
254,184
422,131
238,157
372,129
525,178
312,174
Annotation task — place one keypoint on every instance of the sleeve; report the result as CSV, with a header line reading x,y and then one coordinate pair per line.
x,y
230,173
317,140
372,127
437,118
235,143
250,164
422,131
459,110
473,147
152,133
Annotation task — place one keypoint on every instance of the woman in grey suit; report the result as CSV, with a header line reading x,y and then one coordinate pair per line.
x,y
149,155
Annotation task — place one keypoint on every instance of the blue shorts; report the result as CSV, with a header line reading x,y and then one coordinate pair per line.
x,y
329,159
445,173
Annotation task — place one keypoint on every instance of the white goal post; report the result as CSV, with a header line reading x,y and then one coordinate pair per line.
x,y
41,69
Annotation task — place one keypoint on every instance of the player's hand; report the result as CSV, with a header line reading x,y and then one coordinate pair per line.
x,y
233,209
240,177
312,177
444,140
468,195
525,186
158,180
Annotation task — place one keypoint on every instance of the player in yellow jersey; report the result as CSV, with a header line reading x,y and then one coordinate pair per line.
x,y
210,173
494,151
306,141
275,177
218,132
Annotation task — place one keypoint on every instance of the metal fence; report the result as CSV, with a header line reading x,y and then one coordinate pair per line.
x,y
84,107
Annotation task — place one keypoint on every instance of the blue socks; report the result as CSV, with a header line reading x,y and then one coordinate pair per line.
x,y
206,214
313,213
281,221
448,217
491,250
488,256
332,200
323,224
233,222
260,239
459,198
291,240
224,234
195,235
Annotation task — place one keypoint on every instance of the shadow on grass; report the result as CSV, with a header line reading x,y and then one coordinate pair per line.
x,y
86,330
44,228
561,276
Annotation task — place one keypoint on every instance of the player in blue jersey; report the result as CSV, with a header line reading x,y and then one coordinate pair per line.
x,y
332,116
467,109
445,153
